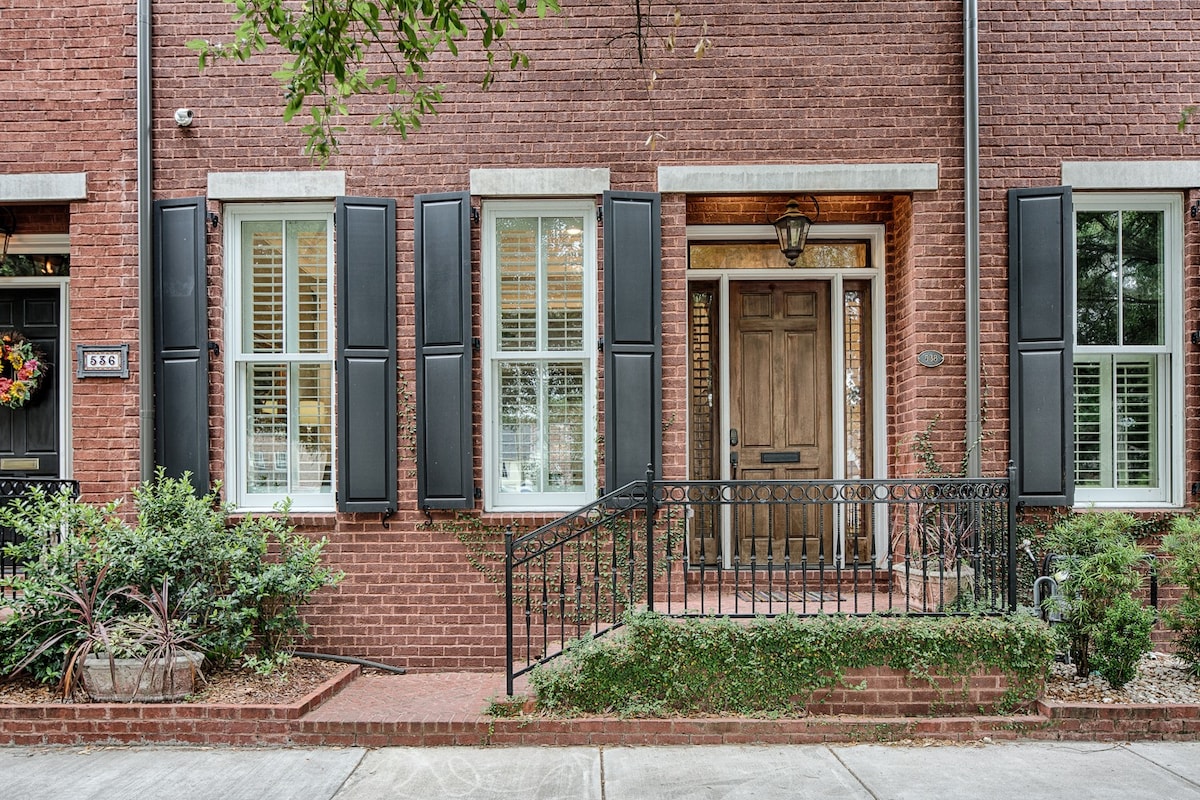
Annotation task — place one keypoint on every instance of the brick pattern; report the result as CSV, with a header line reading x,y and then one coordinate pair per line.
x,y
826,82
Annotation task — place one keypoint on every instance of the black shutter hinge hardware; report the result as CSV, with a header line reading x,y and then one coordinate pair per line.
x,y
1195,210
600,214
1195,488
428,515
475,214
600,344
383,517
214,219
477,493
214,348
1195,337
476,345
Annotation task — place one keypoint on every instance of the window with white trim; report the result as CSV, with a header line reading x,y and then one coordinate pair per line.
x,y
1128,281
539,307
279,341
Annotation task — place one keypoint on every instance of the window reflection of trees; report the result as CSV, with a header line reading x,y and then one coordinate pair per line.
x,y
1119,257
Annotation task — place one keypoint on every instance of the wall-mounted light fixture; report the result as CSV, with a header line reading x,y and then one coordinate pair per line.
x,y
792,229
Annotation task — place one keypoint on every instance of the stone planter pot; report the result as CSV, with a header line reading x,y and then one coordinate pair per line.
x,y
136,680
931,590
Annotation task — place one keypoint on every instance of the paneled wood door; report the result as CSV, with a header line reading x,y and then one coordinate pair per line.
x,y
781,415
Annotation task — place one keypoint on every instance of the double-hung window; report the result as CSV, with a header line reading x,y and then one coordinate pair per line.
x,y
1128,284
539,318
279,407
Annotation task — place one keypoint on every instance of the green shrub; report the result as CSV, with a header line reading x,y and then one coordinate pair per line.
x,y
1097,565
1122,636
655,665
1181,547
238,587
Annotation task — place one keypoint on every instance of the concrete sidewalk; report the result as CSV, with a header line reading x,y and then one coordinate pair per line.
x,y
1029,771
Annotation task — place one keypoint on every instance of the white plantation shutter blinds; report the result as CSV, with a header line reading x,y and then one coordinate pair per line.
x,y
1117,422
1136,451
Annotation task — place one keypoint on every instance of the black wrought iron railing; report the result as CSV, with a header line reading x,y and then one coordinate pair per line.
x,y
746,549
12,489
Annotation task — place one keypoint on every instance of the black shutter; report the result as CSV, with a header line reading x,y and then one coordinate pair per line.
x,y
445,459
1041,400
366,348
180,340
633,337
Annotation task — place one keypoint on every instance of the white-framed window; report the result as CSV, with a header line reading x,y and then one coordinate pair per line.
x,y
1128,334
279,350
539,366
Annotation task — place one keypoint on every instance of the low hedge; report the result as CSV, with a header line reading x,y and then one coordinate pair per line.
x,y
658,666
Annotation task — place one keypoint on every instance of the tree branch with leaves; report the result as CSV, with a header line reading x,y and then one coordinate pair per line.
x,y
330,46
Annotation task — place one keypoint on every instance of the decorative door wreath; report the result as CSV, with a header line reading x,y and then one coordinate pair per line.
x,y
22,369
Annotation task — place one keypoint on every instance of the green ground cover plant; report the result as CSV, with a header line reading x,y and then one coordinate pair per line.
x,y
659,666
236,588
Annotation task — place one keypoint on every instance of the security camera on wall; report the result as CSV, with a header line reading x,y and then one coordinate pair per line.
x,y
184,117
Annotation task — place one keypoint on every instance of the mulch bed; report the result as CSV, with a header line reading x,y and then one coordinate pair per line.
x,y
237,686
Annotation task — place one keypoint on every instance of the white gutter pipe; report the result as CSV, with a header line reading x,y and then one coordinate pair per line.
x,y
974,432
145,245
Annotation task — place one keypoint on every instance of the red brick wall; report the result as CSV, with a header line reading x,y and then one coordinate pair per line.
x,y
411,595
67,105
784,83
1077,82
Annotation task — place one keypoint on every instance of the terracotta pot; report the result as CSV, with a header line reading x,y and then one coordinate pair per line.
x,y
931,590
136,680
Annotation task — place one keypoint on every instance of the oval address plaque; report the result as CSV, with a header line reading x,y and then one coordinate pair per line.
x,y
930,358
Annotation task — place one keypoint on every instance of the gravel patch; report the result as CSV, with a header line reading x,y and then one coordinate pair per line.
x,y
1162,678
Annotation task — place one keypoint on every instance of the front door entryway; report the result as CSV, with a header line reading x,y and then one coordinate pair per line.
x,y
781,412
29,436
784,401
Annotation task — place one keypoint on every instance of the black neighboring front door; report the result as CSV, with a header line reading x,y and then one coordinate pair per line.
x,y
29,436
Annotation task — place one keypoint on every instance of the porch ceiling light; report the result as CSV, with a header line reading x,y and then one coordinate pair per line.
x,y
792,229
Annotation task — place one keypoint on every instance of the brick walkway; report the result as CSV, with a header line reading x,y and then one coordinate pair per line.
x,y
428,698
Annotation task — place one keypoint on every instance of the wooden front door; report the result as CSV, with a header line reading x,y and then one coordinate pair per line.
x,y
29,435
781,415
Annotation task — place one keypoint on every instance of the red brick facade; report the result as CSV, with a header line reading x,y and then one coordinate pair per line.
x,y
830,83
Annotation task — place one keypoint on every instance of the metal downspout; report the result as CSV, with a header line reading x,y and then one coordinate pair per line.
x,y
974,432
145,245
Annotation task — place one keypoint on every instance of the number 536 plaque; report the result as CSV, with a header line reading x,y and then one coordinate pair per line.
x,y
102,360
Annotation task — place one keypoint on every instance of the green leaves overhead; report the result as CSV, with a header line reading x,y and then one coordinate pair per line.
x,y
331,48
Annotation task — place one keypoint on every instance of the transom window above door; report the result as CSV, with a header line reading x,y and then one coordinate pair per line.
x,y
761,255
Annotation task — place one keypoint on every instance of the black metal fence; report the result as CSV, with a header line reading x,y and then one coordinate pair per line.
x,y
746,549
11,489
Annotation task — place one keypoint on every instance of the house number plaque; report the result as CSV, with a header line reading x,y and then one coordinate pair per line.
x,y
102,360
930,358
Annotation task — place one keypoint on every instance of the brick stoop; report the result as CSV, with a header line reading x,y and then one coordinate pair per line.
x,y
437,709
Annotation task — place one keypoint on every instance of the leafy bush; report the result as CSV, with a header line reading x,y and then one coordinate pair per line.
x,y
1122,636
1182,566
237,587
1096,562
655,665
